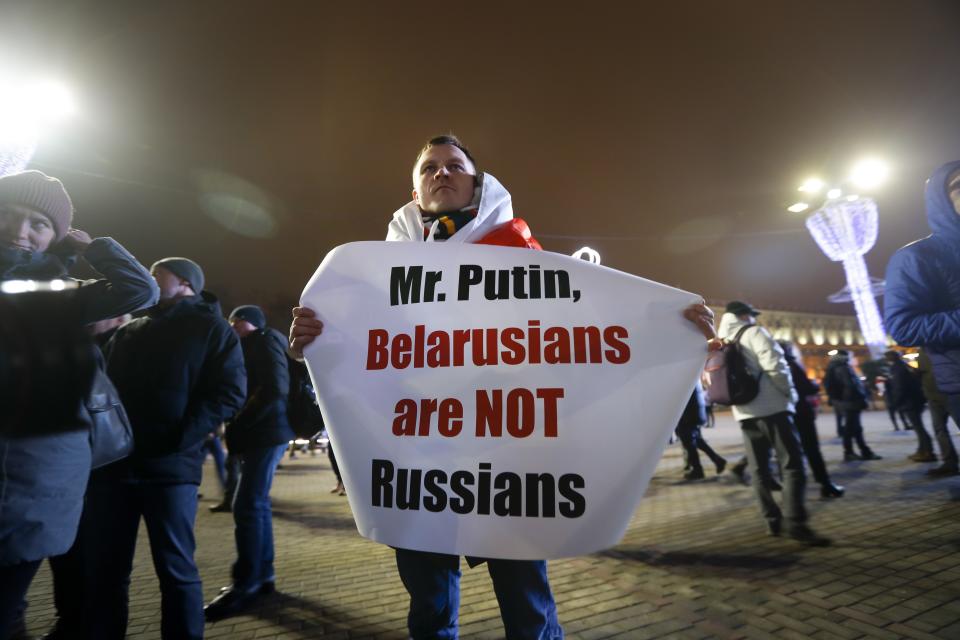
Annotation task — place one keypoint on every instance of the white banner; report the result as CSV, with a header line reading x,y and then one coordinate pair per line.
x,y
493,401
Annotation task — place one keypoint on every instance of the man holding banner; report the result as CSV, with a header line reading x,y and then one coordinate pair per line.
x,y
451,200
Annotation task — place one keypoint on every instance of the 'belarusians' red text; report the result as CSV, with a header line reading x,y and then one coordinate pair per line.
x,y
532,344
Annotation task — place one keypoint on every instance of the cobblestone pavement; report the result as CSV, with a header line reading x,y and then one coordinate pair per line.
x,y
695,563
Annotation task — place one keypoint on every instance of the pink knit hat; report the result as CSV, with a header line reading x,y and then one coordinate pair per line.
x,y
39,191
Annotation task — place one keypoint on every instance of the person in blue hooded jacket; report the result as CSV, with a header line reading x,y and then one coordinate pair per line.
x,y
922,299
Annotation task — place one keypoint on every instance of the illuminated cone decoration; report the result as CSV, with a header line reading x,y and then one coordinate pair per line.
x,y
845,230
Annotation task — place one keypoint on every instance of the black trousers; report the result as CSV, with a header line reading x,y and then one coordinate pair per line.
x,y
776,432
810,442
940,417
914,417
692,440
853,432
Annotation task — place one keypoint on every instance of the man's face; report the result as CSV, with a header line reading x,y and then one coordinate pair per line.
x,y
25,228
443,179
241,327
748,318
953,190
171,285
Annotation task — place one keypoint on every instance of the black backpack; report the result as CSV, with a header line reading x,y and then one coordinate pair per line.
x,y
303,412
729,381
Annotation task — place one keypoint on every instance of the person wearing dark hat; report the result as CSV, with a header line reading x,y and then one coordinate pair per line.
x,y
179,371
258,434
43,478
767,424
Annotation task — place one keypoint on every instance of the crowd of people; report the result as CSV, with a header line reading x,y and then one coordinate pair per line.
x,y
186,375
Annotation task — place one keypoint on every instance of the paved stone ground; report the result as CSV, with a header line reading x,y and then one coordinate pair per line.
x,y
695,563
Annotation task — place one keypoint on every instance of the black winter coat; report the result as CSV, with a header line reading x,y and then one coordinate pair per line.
x,y
844,388
180,374
43,479
262,422
806,388
906,391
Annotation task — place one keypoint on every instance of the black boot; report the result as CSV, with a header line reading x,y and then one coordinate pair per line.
x,y
830,490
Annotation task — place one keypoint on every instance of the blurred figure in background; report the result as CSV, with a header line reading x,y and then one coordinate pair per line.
x,y
939,417
688,430
805,420
906,396
258,434
849,397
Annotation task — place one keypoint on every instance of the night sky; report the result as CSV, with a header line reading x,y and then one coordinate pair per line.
x,y
670,136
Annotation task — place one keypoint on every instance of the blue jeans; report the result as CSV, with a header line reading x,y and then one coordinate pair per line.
x,y
111,518
214,447
253,520
433,582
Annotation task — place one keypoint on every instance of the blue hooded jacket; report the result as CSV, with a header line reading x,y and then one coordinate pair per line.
x,y
922,299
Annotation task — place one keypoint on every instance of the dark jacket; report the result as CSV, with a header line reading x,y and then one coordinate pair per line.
x,y
906,393
927,383
180,374
806,388
43,479
844,387
262,422
922,297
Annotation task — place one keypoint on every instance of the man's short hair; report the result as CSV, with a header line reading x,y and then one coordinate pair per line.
x,y
450,139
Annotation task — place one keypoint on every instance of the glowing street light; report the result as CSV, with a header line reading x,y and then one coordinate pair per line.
x,y
811,185
869,173
834,193
798,207
26,110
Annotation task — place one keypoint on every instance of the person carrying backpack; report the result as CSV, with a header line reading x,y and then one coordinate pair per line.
x,y
848,397
767,423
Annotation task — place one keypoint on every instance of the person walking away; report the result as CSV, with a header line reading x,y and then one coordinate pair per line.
x,y
767,424
805,420
691,437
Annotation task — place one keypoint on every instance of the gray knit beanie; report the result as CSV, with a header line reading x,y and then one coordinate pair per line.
x,y
39,191
183,268
251,313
